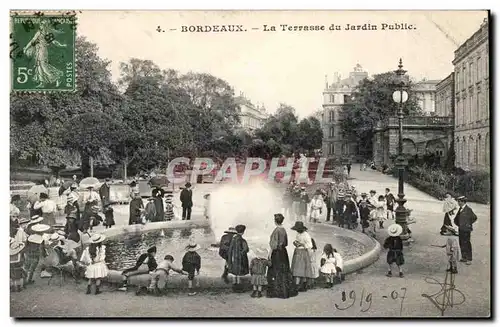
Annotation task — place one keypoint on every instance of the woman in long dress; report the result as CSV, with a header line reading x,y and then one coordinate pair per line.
x,y
279,275
38,49
302,269
450,206
94,258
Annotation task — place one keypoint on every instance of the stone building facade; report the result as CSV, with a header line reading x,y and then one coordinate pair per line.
x,y
425,92
472,108
252,116
335,96
445,96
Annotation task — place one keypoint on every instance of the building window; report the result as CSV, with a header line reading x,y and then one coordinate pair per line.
x,y
464,153
478,105
487,149
331,116
463,82
476,153
332,98
479,67
457,80
471,73
347,98
331,149
332,132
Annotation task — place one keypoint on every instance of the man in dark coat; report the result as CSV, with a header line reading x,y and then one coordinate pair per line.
x,y
225,241
464,219
136,207
104,193
187,202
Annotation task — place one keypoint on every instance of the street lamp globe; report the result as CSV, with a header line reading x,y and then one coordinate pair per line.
x,y
400,96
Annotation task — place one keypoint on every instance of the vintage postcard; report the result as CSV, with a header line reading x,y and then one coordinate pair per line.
x,y
288,163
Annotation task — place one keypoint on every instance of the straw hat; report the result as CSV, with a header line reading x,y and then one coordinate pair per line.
x,y
40,228
16,247
56,237
35,238
394,230
97,238
35,219
231,230
193,246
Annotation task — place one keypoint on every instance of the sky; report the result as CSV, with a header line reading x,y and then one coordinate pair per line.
x,y
282,66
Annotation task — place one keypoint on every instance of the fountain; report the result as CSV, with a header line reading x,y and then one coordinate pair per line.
x,y
252,204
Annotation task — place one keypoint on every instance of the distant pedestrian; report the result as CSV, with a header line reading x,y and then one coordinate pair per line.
x,y
224,243
303,204
169,207
104,193
394,244
109,218
136,207
206,206
186,201
390,200
349,166
364,212
150,210
331,198
316,207
464,219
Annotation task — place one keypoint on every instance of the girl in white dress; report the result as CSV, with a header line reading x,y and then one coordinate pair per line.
x,y
316,207
94,257
328,267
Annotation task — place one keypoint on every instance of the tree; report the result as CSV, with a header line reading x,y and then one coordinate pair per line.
x,y
310,134
372,102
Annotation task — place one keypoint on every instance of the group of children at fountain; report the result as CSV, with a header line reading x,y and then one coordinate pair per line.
x,y
343,205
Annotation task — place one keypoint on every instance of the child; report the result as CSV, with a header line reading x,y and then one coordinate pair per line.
x,y
17,272
160,274
109,219
364,212
316,207
390,200
94,257
258,270
339,264
169,207
395,245
150,211
191,264
206,206
328,267
237,259
452,251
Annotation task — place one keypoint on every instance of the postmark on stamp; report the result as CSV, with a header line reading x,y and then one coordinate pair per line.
x,y
42,51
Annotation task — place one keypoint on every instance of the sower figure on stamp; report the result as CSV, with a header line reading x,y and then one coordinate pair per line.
x,y
187,202
464,219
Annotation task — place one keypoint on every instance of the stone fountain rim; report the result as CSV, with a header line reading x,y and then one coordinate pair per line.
x,y
350,265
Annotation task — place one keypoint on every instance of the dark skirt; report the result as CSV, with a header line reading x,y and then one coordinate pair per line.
x,y
446,222
279,276
160,210
395,256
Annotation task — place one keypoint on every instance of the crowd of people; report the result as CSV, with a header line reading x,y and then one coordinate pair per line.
x,y
344,206
38,242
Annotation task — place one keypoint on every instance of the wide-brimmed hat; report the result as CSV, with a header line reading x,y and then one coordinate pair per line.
x,y
373,191
36,219
193,246
462,198
231,230
40,228
44,196
16,247
340,195
56,237
97,238
35,238
394,230
299,227
90,186
240,228
188,184
364,194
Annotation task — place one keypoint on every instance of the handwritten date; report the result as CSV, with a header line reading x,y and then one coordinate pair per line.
x,y
365,301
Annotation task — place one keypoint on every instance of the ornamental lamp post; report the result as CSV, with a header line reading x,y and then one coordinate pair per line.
x,y
400,96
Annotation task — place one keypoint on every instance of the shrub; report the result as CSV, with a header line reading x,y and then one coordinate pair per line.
x,y
475,185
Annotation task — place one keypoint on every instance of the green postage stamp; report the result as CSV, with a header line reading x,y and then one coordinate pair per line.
x,y
42,51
